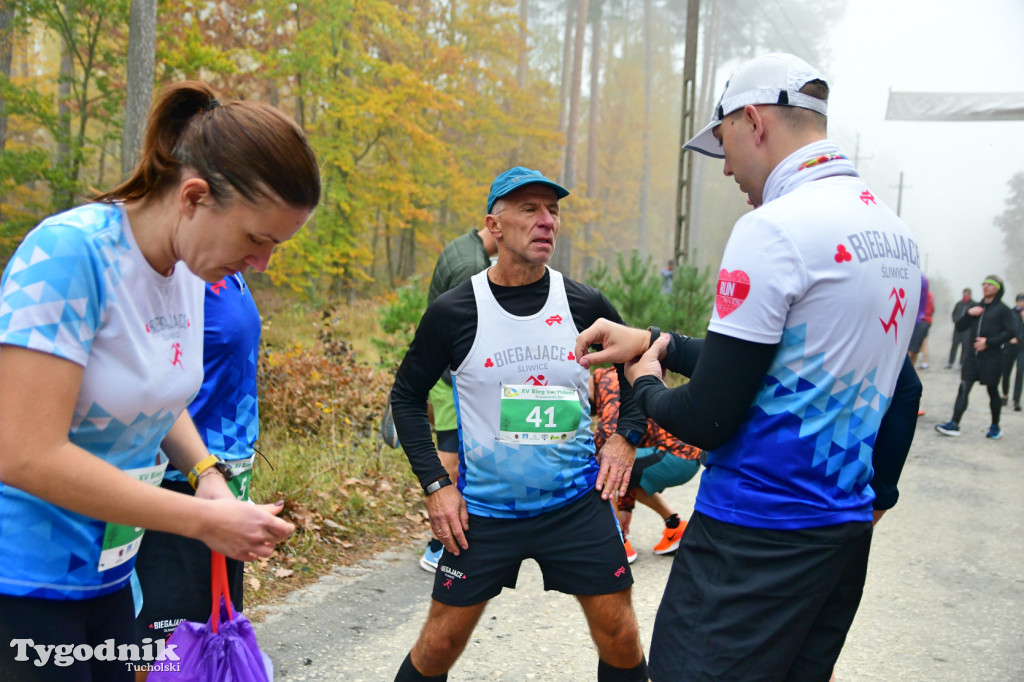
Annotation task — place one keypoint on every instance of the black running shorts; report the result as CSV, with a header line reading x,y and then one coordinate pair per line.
x,y
174,572
66,624
448,441
755,604
578,548
918,336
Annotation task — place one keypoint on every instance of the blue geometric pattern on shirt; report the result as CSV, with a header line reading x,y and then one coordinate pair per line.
x,y
126,446
238,429
61,274
52,541
841,416
520,481
45,536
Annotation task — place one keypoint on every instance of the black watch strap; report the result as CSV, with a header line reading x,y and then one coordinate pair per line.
x,y
655,333
632,436
437,485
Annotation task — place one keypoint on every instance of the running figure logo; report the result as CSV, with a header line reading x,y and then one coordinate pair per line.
x,y
177,355
898,308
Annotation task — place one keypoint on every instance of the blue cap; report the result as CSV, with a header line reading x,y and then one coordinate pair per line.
x,y
517,177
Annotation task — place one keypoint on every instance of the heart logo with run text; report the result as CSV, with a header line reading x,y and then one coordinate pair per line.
x,y
731,291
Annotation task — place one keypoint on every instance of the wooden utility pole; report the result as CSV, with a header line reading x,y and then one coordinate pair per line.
x,y
685,188
899,196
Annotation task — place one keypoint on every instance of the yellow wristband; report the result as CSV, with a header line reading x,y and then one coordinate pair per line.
x,y
200,467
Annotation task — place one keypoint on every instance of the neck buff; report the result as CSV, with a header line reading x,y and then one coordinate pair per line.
x,y
815,161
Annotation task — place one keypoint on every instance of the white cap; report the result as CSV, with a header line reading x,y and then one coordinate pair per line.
x,y
774,78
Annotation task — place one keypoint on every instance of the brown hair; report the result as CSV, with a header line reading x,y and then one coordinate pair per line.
x,y
247,148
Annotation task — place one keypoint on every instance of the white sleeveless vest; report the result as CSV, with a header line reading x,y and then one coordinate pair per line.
x,y
523,450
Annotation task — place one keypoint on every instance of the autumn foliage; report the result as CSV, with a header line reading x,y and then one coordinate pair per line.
x,y
323,391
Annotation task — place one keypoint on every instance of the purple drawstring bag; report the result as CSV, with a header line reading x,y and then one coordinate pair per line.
x,y
223,649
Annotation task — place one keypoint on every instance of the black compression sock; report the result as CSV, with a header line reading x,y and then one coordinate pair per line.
x,y
672,521
408,673
609,673
435,544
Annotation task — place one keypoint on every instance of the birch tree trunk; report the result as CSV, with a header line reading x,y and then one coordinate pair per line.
x,y
524,6
563,92
6,53
63,198
645,181
563,256
592,123
573,125
139,90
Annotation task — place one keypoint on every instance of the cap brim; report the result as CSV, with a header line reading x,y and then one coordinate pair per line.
x,y
560,191
706,143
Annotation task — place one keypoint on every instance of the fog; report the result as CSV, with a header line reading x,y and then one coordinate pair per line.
x,y
955,173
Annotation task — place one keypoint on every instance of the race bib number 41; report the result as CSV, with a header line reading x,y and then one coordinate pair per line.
x,y
538,415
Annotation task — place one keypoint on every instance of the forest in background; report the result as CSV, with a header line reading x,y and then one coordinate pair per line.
x,y
413,106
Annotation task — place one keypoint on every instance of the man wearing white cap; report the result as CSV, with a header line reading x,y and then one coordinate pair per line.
x,y
801,392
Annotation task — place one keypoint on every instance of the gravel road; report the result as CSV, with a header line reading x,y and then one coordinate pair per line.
x,y
944,598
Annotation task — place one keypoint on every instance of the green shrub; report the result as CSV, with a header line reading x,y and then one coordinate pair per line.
x,y
399,319
635,291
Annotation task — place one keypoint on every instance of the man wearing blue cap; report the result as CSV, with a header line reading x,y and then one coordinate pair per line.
x,y
530,485
801,392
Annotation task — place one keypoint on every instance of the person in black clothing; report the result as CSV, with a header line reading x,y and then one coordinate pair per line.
x,y
961,341
990,325
1013,354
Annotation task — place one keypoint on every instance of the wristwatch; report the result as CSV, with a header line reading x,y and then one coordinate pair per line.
x,y
633,436
655,333
204,464
437,485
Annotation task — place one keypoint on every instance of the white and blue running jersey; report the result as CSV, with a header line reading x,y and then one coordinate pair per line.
x,y
525,444
833,277
79,288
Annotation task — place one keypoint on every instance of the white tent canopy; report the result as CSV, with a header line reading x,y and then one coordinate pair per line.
x,y
955,106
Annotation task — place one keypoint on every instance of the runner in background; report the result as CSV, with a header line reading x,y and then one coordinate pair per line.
x,y
961,337
461,258
174,571
922,324
662,461
929,311
1013,355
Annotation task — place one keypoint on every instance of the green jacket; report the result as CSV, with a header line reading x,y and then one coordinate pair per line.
x,y
461,258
